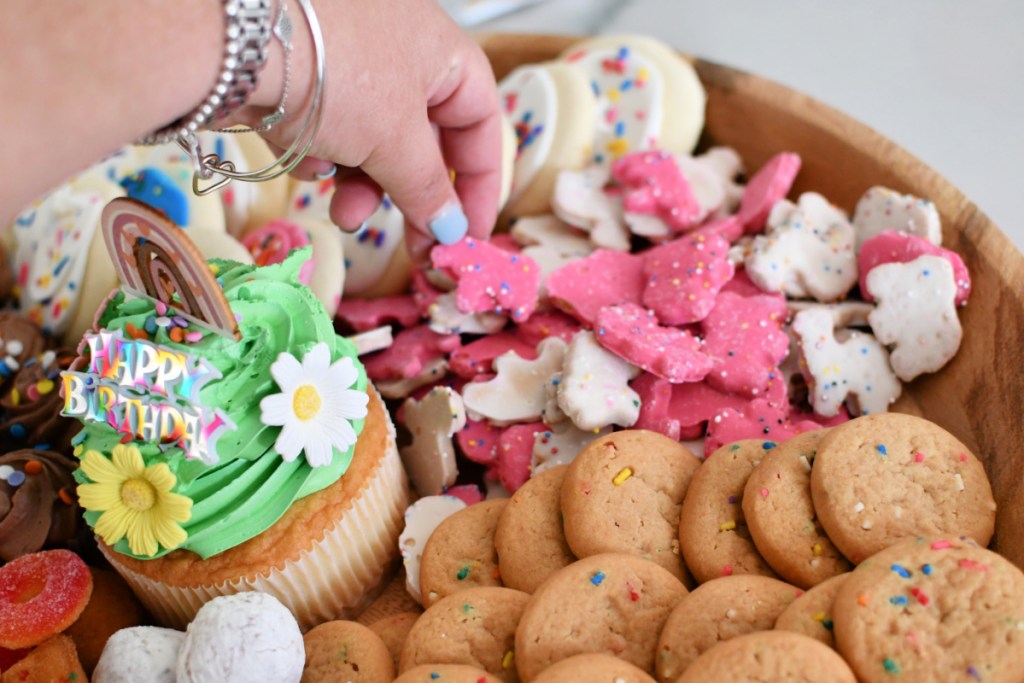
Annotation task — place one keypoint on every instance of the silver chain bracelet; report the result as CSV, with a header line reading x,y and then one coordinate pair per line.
x,y
245,52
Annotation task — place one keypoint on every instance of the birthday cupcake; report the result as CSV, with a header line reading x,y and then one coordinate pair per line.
x,y
230,440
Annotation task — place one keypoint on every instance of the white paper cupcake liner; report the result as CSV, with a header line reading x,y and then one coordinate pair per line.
x,y
336,578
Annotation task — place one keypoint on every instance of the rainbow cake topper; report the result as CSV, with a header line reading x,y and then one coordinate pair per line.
x,y
155,259
145,390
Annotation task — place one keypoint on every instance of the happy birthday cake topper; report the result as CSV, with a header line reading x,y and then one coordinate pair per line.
x,y
155,259
143,389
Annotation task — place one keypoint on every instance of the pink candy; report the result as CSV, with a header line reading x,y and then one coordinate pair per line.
x,y
634,335
655,186
684,277
900,247
489,279
604,278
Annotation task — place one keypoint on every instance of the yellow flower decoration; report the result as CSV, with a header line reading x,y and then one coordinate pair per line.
x,y
136,501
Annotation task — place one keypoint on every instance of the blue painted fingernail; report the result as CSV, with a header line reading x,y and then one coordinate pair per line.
x,y
327,174
450,225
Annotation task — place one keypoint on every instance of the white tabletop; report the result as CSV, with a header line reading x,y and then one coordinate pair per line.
x,y
942,78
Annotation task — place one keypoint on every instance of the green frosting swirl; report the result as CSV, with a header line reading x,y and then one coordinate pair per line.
x,y
252,486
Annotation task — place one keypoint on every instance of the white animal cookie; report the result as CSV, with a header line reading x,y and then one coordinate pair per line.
x,y
916,314
432,422
580,201
594,391
560,444
882,209
421,518
807,251
517,392
844,366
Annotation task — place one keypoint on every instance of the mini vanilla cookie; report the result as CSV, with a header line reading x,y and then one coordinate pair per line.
x,y
811,613
916,314
345,651
393,631
885,477
648,96
780,515
769,657
446,673
529,537
623,494
475,627
713,533
592,667
612,603
933,609
460,553
550,108
717,611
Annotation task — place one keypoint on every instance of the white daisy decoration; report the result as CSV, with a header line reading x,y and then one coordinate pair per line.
x,y
314,406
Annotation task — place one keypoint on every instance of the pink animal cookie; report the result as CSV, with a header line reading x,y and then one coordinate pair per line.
x,y
654,185
477,357
478,441
745,337
634,335
604,278
900,247
489,279
515,451
769,185
411,351
544,324
367,314
759,419
684,277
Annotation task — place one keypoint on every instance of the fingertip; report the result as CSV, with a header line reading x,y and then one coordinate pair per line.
x,y
355,199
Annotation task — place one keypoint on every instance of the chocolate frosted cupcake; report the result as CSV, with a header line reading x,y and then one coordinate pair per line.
x,y
37,503
31,404
20,340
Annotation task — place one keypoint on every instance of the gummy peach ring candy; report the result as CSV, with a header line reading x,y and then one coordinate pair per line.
x,y
41,594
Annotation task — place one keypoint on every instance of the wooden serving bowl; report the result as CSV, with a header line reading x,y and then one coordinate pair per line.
x,y
979,396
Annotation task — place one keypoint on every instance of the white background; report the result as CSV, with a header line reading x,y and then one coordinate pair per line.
x,y
942,78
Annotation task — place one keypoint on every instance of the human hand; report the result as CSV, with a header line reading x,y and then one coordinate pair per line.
x,y
408,96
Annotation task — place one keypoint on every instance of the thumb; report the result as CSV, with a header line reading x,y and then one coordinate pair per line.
x,y
413,173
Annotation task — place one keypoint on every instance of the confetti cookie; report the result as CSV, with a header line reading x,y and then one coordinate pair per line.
x,y
769,657
647,96
61,265
780,514
460,553
806,252
594,389
633,334
475,627
884,477
684,277
716,611
881,209
432,422
623,494
916,314
613,604
529,537
594,667
843,367
713,533
345,651
550,107
393,630
446,673
811,613
933,610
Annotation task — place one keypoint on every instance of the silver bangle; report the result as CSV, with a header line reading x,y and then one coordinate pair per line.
x,y
206,166
245,53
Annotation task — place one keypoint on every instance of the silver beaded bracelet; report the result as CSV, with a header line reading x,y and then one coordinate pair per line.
x,y
245,52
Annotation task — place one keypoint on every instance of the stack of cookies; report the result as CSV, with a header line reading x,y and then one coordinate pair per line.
x,y
854,553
